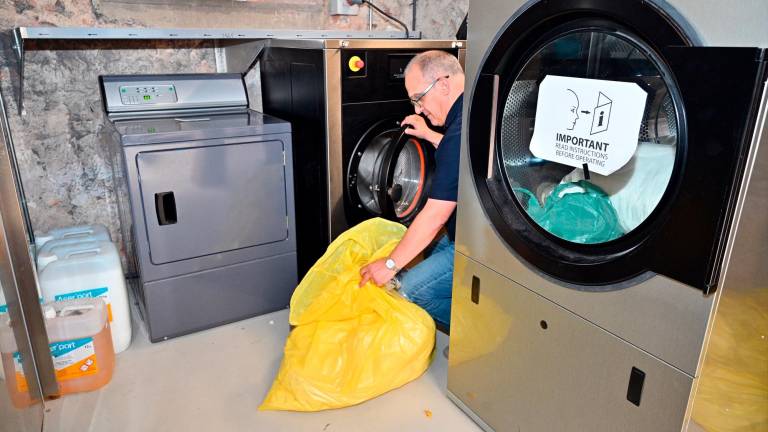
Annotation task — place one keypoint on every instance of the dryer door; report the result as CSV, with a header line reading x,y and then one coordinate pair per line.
x,y
201,201
549,116
389,173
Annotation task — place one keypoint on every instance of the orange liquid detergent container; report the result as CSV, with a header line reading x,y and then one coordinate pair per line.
x,y
80,345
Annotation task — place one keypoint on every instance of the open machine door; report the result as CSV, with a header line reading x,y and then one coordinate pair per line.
x,y
389,173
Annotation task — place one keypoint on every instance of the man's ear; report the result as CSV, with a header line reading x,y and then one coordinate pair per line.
x,y
445,86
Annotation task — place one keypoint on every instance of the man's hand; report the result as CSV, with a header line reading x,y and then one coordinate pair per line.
x,y
377,272
419,129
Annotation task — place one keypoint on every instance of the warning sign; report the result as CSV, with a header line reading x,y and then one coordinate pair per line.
x,y
587,123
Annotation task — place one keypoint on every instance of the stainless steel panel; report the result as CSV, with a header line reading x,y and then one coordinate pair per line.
x,y
197,33
226,198
7,137
722,23
732,392
19,288
337,221
238,56
18,268
366,43
521,362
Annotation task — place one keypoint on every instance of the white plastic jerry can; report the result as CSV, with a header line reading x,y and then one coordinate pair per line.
x,y
86,270
81,232
66,236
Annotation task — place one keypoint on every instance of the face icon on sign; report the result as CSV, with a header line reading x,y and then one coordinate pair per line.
x,y
573,108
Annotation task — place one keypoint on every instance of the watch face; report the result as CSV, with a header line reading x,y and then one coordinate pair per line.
x,y
390,264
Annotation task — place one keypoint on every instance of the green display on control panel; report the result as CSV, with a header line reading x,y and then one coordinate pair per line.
x,y
147,97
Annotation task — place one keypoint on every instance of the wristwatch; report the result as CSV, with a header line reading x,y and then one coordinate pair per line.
x,y
390,264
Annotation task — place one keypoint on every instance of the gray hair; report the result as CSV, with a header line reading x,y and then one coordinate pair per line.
x,y
434,64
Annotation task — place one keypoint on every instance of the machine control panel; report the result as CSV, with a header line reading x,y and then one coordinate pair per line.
x,y
148,94
127,94
396,64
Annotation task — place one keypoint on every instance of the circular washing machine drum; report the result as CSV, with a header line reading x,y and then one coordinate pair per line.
x,y
390,172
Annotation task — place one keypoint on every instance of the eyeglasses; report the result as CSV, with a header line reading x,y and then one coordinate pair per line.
x,y
415,101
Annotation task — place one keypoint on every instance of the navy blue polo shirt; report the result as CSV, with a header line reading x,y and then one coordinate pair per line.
x,y
445,181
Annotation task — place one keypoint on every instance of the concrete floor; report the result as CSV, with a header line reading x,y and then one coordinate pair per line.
x,y
216,379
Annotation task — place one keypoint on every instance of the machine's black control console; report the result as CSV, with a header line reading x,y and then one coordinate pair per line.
x,y
374,75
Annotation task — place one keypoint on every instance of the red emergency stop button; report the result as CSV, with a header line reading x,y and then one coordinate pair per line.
x,y
355,64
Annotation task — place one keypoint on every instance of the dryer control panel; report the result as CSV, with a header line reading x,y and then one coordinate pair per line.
x,y
125,95
148,94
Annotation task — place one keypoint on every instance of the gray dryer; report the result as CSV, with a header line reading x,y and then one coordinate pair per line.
x,y
205,195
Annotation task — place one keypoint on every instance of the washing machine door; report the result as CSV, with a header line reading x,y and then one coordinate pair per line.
x,y
389,173
576,188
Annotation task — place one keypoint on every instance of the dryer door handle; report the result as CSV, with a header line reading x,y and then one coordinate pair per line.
x,y
165,207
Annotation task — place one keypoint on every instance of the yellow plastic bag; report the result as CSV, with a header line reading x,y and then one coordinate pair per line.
x,y
350,344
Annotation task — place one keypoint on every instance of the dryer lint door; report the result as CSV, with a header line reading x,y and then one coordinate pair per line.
x,y
604,145
200,201
389,174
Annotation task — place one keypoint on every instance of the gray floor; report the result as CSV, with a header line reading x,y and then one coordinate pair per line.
x,y
216,379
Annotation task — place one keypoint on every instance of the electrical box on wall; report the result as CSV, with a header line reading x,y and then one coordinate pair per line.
x,y
342,7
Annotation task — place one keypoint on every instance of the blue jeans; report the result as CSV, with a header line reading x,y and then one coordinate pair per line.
x,y
429,283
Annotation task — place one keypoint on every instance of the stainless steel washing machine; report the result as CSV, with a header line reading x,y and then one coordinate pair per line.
x,y
345,99
585,295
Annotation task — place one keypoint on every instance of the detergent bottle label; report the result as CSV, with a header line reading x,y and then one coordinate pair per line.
x,y
102,292
21,380
71,359
74,358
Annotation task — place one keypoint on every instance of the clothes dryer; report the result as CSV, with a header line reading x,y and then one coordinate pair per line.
x,y
205,195
584,295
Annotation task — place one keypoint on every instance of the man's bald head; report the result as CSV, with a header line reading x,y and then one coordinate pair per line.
x,y
433,64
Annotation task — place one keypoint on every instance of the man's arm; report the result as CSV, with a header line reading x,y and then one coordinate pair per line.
x,y
419,235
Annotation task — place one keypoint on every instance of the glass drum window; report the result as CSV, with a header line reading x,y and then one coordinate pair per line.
x,y
565,201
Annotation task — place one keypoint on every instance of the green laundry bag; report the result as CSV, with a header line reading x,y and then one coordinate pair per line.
x,y
576,211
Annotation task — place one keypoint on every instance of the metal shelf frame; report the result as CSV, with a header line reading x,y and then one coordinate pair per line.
x,y
239,49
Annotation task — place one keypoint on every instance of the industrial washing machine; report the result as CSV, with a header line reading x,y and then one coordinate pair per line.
x,y
612,201
205,197
345,99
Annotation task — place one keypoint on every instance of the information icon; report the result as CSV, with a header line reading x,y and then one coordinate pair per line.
x,y
601,114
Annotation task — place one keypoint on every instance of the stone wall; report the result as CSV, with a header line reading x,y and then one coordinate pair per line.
x,y
64,171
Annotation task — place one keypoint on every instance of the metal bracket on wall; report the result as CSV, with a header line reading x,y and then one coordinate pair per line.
x,y
238,56
235,57
17,45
